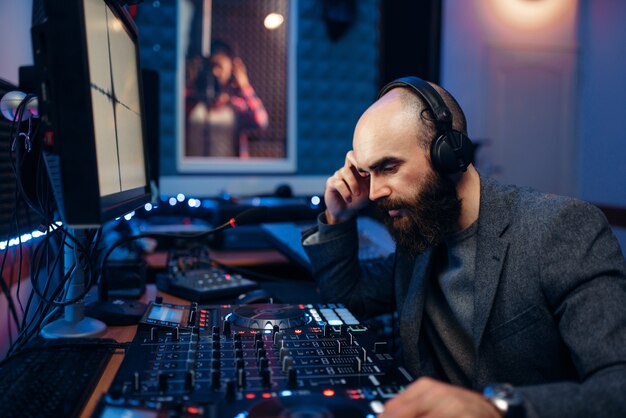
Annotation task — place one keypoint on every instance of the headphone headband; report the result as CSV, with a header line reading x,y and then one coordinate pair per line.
x,y
451,151
443,116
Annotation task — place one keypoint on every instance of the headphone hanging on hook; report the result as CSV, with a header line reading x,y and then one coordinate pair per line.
x,y
17,107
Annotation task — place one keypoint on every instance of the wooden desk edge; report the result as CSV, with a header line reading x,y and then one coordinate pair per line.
x,y
121,334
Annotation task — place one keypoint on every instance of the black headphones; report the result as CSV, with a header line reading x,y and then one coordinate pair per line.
x,y
451,151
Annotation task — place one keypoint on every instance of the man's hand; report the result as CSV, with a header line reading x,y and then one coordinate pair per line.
x,y
346,191
428,397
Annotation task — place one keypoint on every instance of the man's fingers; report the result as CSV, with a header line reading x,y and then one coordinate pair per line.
x,y
350,159
339,184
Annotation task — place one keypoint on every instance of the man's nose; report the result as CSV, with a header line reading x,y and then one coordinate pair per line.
x,y
378,189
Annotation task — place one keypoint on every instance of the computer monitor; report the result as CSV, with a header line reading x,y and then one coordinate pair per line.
x,y
90,103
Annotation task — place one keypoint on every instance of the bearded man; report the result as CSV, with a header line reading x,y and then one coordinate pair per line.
x,y
511,302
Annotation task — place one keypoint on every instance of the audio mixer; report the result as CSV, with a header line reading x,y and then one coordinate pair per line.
x,y
252,361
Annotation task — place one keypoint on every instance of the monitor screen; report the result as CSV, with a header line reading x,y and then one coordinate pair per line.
x,y
86,55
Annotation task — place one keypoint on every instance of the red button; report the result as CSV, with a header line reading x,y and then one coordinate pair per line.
x,y
328,392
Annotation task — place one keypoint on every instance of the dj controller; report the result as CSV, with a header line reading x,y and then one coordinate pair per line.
x,y
253,361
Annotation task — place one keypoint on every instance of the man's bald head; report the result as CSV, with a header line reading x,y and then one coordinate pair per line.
x,y
419,111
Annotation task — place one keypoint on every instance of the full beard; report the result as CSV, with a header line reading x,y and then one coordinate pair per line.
x,y
427,216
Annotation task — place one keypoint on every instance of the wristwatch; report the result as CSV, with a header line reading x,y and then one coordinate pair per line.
x,y
508,401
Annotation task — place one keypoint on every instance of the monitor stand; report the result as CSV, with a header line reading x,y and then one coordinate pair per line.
x,y
73,323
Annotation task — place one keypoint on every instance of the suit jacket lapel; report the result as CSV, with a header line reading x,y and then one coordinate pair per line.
x,y
491,252
410,290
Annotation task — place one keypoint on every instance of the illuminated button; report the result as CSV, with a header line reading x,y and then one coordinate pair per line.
x,y
266,395
377,407
328,392
250,395
195,410
335,322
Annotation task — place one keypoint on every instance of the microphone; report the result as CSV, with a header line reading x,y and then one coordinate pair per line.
x,y
11,102
248,216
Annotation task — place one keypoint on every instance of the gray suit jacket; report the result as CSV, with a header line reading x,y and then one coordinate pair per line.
x,y
550,300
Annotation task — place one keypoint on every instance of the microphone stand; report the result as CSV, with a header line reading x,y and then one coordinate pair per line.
x,y
124,312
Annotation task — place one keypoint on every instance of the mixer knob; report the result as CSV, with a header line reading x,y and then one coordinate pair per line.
x,y
176,334
258,336
158,300
287,363
343,328
261,353
327,329
154,334
237,337
215,363
364,354
239,363
215,330
292,378
350,339
136,382
241,378
263,363
338,347
266,378
258,344
283,352
162,379
190,380
358,364
380,347
275,329
238,345
215,379
226,328
215,336
239,353
230,390
215,345
278,337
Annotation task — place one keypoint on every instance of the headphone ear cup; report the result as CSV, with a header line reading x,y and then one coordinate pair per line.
x,y
443,157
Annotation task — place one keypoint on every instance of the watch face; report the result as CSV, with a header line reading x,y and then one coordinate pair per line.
x,y
506,399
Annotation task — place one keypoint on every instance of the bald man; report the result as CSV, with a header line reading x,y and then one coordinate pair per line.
x,y
511,302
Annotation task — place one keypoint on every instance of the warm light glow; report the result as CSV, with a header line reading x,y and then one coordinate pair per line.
x,y
530,14
273,21
116,25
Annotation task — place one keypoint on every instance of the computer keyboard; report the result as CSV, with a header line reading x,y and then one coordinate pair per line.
x,y
52,378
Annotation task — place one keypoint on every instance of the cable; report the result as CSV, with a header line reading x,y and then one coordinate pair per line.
x,y
231,223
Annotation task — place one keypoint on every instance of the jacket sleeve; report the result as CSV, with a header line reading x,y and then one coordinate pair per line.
x,y
583,275
365,288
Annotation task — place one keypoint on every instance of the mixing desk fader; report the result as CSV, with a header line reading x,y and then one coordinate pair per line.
x,y
251,361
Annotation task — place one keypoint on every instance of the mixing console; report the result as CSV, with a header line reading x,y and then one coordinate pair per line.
x,y
253,361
